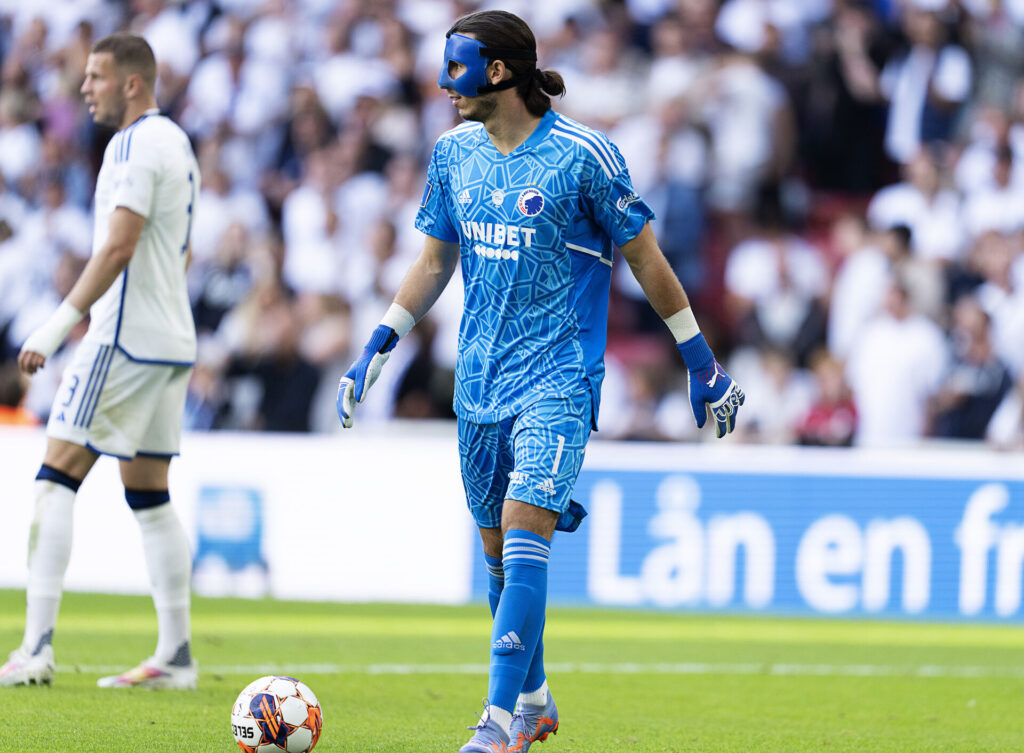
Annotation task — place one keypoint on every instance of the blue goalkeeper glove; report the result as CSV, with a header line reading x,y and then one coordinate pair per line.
x,y
363,373
711,390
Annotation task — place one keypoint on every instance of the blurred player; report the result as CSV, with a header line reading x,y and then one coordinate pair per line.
x,y
124,392
532,204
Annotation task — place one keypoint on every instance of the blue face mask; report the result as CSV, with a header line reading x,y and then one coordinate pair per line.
x,y
474,56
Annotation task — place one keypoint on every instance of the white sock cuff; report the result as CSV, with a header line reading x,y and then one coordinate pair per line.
x,y
157,514
536,697
501,716
683,325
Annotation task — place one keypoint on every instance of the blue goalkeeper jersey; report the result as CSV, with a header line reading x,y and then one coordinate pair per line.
x,y
536,230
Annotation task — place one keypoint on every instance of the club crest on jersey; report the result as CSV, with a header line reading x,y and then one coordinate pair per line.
x,y
531,202
497,197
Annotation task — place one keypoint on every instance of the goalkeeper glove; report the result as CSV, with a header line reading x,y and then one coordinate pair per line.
x,y
363,373
712,391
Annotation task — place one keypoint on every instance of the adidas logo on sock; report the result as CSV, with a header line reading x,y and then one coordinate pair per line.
x,y
510,640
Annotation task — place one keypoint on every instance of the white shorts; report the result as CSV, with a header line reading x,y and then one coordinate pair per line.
x,y
116,406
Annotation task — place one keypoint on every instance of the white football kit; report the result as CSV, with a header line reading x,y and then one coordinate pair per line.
x,y
124,392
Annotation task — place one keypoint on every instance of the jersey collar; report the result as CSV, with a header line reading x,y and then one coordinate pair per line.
x,y
143,116
547,120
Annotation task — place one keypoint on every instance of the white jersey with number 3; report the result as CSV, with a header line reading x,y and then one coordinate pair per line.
x,y
149,168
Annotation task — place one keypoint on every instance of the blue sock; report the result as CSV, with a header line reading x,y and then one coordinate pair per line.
x,y
519,618
535,675
495,581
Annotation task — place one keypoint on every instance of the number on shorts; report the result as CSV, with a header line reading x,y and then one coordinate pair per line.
x,y
558,454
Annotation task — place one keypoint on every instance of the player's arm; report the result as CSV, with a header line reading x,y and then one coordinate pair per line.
x,y
710,388
99,274
427,277
423,284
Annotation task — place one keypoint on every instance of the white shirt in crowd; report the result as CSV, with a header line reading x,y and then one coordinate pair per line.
x,y
857,294
893,368
998,208
150,169
905,82
936,230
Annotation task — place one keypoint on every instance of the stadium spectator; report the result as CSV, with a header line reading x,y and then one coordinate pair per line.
x,y
283,380
776,283
1006,428
977,380
998,205
13,387
866,262
926,85
831,420
780,394
922,204
895,366
1000,264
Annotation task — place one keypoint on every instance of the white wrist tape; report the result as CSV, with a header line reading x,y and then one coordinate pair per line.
x,y
683,325
400,320
48,337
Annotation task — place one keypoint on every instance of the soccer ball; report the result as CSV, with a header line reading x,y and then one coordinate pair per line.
x,y
276,713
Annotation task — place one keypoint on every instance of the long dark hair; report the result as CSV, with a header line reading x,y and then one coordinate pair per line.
x,y
499,28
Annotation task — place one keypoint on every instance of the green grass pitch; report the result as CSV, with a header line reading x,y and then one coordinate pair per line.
x,y
393,679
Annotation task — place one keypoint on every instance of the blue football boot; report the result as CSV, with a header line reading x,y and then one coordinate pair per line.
x,y
488,738
531,723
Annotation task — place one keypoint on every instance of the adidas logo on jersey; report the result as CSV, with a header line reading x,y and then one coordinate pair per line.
x,y
547,486
510,641
464,197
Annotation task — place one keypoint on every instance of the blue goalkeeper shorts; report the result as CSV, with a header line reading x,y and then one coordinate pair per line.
x,y
533,457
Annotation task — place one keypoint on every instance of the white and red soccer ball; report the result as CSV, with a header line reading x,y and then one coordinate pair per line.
x,y
276,713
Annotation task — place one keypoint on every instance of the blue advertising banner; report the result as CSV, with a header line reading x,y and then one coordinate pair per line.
x,y
793,542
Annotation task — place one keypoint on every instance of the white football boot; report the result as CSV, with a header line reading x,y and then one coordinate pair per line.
x,y
23,668
155,675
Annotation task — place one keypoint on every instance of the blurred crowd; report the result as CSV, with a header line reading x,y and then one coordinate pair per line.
x,y
839,185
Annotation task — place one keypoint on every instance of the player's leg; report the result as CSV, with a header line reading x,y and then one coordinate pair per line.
x,y
486,458
492,540
64,467
164,543
549,443
65,464
519,620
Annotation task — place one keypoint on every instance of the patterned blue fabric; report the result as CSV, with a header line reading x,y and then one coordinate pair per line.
x,y
536,229
534,458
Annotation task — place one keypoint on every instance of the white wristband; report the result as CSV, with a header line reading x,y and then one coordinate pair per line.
x,y
400,320
683,325
48,338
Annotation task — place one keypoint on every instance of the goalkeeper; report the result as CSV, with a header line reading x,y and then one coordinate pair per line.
x,y
532,204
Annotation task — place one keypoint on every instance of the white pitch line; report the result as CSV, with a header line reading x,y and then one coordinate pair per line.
x,y
682,668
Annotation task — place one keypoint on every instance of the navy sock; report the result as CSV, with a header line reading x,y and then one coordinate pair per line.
x,y
519,617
